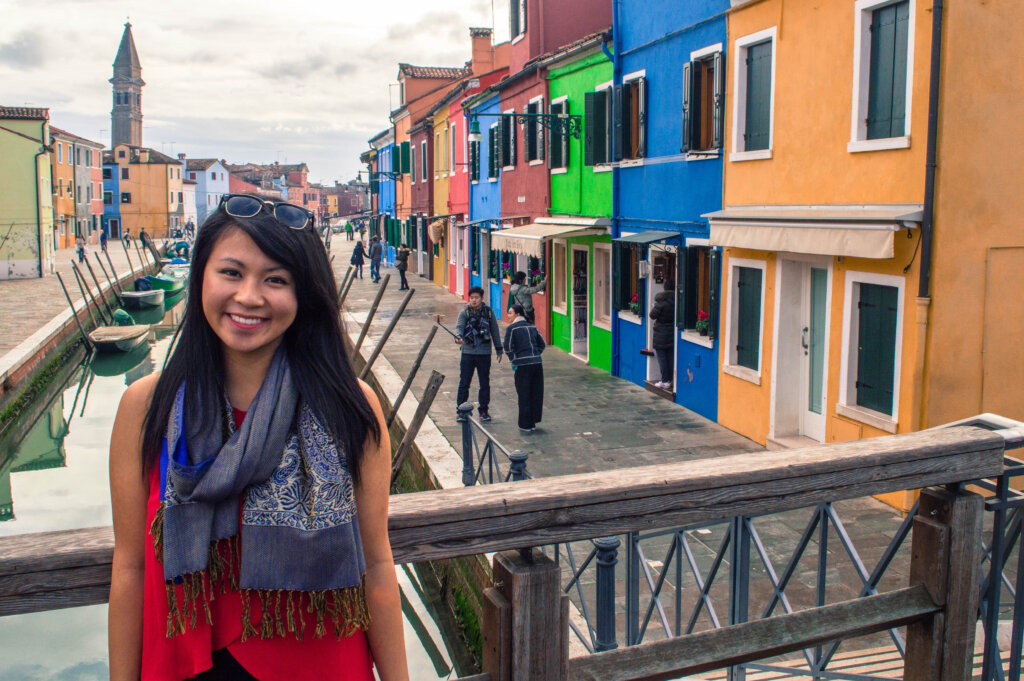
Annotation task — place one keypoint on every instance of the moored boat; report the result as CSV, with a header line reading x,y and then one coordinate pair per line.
x,y
118,338
167,282
137,300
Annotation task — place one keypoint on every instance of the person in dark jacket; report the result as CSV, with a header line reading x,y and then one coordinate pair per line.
x,y
376,251
521,294
476,331
357,258
402,264
523,345
663,336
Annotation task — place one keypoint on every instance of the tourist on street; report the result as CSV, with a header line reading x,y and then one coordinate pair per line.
x,y
523,345
250,478
476,331
663,335
376,251
80,247
402,264
103,241
348,231
127,237
521,294
357,258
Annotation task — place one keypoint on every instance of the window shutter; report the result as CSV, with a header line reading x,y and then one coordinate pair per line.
x,y
682,287
749,317
590,127
687,107
692,256
619,255
396,161
504,131
759,82
563,140
718,124
513,14
876,346
554,139
529,135
374,185
641,132
512,139
522,20
492,156
899,69
620,128
713,289
539,132
405,157
474,161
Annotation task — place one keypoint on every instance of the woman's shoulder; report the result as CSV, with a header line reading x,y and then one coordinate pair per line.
x,y
140,393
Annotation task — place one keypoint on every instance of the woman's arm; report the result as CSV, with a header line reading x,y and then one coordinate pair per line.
x,y
386,634
128,494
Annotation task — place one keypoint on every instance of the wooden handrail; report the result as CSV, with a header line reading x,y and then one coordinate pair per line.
x,y
70,568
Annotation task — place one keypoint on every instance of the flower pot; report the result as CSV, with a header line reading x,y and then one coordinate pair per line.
x,y
703,332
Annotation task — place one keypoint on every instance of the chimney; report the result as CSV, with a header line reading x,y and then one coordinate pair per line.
x,y
483,52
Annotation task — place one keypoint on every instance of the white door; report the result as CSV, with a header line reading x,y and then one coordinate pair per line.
x,y
460,262
579,313
813,342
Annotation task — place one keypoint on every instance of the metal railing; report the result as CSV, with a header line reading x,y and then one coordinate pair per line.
x,y
490,462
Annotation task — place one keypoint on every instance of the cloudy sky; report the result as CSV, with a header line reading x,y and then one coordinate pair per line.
x,y
260,81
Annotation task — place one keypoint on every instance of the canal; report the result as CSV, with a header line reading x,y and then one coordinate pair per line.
x,y
53,476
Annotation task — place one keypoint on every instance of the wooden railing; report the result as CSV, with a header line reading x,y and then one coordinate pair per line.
x,y
525,620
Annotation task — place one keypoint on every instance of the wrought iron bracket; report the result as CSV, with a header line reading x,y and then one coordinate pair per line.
x,y
561,124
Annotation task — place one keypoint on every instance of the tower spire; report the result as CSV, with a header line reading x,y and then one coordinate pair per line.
x,y
126,115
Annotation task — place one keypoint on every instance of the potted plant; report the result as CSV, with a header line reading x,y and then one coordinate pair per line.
x,y
702,322
634,305
535,277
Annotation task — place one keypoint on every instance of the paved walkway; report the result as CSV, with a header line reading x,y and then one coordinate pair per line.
x,y
27,304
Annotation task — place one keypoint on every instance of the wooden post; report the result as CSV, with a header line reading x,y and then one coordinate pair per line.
x,y
433,385
540,643
412,375
946,559
369,316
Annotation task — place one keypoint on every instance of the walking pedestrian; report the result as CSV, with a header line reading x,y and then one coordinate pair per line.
x,y
80,247
521,294
663,335
250,478
103,241
402,264
476,331
376,251
348,231
357,258
127,237
523,345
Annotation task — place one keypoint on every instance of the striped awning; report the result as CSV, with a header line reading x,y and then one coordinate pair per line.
x,y
529,239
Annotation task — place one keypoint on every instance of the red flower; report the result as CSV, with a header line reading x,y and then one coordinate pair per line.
x,y
702,316
633,299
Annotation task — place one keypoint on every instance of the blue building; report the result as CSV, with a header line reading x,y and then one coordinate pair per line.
x,y
485,203
668,173
111,198
385,221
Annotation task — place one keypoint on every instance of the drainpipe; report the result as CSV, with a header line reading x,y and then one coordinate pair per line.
x,y
918,418
39,210
616,229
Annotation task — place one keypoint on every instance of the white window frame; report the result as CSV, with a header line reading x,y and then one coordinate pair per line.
x,y
626,79
512,139
451,149
605,167
862,74
560,171
412,163
846,405
453,244
424,172
60,153
564,307
539,101
732,312
739,100
606,325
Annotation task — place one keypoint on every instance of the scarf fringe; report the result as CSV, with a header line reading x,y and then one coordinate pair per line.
x,y
280,611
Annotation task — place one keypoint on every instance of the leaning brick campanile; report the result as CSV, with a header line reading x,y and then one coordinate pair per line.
x,y
126,116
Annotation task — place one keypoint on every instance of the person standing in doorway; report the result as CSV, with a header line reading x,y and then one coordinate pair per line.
x,y
663,336
523,345
521,294
402,264
376,251
476,331
357,258
103,241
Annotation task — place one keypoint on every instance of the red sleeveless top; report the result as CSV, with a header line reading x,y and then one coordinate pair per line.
x,y
282,658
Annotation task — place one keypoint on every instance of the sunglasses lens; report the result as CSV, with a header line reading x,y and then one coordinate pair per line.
x,y
292,216
242,206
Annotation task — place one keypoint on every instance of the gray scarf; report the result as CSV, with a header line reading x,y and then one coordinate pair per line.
x,y
298,521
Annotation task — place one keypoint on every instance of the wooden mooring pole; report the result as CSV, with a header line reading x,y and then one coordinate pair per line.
x,y
387,334
369,316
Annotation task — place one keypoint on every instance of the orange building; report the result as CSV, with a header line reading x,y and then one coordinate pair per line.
x,y
150,187
62,166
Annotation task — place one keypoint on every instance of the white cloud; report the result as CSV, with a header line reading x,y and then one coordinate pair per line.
x,y
255,80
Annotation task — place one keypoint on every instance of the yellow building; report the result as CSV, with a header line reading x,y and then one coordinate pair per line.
x,y
62,169
852,306
151,193
26,195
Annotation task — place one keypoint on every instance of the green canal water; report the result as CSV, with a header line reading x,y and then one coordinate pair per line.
x,y
53,476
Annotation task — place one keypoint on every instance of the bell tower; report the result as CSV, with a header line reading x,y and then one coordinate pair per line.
x,y
126,116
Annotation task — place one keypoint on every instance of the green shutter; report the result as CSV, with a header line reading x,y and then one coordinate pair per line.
x,y
682,287
887,78
713,296
718,125
759,97
748,327
374,185
876,346
396,161
406,161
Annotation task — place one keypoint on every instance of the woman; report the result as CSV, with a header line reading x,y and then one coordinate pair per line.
x,y
523,345
402,264
663,335
358,259
250,479
521,294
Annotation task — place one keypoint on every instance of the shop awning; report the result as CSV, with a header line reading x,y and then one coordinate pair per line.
x,y
861,231
529,239
645,238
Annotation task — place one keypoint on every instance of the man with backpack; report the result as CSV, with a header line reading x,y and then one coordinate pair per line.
x,y
376,251
476,331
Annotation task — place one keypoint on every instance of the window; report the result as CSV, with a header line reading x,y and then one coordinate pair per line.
x,y
597,127
626,289
631,119
517,17
108,198
78,193
108,174
533,132
213,176
493,163
493,267
453,242
474,161
697,276
191,176
872,337
181,197
60,153
755,91
406,161
743,334
507,140
126,197
602,285
559,285
78,156
423,160
124,173
883,62
88,192
88,157
437,153
558,145
452,148
703,102
120,154
474,249
412,165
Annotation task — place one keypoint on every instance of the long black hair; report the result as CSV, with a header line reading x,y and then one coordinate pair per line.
x,y
315,343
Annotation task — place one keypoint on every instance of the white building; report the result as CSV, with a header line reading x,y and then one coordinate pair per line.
x,y
212,182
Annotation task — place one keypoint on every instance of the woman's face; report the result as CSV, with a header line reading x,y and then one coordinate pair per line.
x,y
248,299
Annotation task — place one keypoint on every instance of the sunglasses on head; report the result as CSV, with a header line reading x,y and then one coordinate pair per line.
x,y
247,206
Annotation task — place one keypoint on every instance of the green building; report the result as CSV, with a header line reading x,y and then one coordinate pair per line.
x,y
26,194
